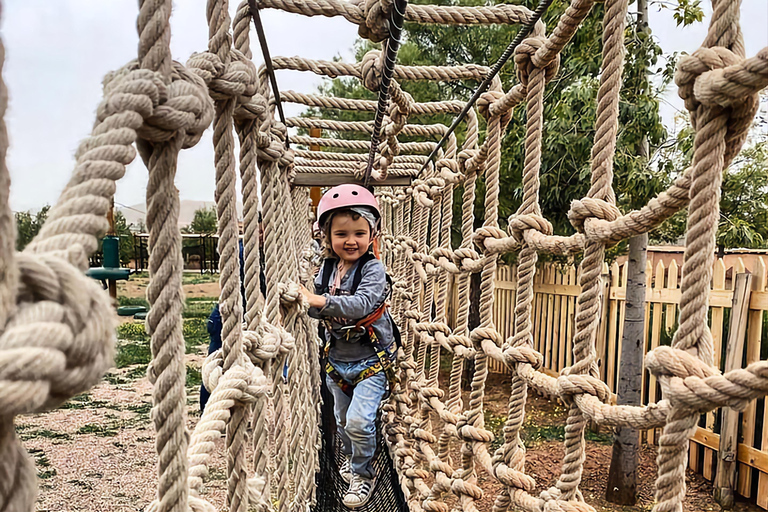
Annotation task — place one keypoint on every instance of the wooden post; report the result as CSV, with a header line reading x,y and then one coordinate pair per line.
x,y
314,193
622,475
725,478
111,283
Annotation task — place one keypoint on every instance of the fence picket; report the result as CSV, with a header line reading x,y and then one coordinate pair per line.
x,y
718,315
658,284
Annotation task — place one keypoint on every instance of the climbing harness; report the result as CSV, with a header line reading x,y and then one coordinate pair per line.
x,y
362,329
160,106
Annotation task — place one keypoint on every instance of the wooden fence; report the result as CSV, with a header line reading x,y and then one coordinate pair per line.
x,y
743,335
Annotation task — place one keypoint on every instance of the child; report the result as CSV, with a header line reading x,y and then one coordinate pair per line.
x,y
352,287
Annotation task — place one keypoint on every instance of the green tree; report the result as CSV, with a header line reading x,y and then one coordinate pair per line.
x,y
28,226
204,221
123,231
744,202
570,107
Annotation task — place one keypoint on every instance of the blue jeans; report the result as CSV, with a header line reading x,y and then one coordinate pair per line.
x,y
356,415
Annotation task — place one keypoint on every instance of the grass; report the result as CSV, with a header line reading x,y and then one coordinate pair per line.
x,y
109,430
133,344
132,301
45,470
194,377
199,278
29,433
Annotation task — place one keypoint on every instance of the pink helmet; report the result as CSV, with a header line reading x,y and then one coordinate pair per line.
x,y
345,196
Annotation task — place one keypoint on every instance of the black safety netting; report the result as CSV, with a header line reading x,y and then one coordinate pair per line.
x,y
387,494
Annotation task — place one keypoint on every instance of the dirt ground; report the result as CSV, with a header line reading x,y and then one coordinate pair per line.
x,y
97,453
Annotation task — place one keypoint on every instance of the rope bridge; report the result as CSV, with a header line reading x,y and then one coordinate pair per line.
x,y
57,327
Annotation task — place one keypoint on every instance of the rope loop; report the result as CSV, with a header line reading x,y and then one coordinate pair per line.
x,y
569,385
525,60
238,79
372,70
485,101
449,170
518,224
523,354
60,340
376,26
181,107
467,260
697,78
588,208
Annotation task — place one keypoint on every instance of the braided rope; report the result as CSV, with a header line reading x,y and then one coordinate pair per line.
x,y
164,107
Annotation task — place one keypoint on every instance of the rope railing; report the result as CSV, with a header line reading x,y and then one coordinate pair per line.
x,y
267,373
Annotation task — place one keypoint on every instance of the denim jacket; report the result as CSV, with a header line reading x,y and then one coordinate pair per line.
x,y
344,309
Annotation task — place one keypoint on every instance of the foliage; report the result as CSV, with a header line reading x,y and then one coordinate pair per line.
x,y
28,226
743,206
685,12
204,221
123,231
569,115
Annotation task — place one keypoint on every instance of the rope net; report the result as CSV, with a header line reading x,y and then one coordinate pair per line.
x,y
57,326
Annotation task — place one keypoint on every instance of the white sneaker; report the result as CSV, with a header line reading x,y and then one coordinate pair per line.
x,y
346,470
360,491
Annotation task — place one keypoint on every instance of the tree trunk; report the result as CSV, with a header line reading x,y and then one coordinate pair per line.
x,y
472,322
622,476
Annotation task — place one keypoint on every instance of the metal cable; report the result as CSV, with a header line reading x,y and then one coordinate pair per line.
x,y
390,58
521,35
267,60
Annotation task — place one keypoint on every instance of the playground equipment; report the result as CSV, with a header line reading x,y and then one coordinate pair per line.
x,y
266,373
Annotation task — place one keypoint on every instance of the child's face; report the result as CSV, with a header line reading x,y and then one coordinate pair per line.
x,y
350,238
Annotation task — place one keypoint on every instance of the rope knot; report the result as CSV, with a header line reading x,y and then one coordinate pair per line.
x,y
691,67
523,354
512,477
666,361
471,433
485,101
371,70
485,232
467,260
525,57
376,26
60,340
703,84
569,385
519,223
590,207
449,170
238,79
181,107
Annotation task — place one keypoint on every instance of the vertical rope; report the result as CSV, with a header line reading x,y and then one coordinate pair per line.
x,y
18,485
164,293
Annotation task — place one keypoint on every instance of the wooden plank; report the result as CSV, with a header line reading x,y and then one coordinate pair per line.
x,y
561,303
559,289
749,418
644,342
622,316
603,327
658,283
537,321
717,298
550,307
311,179
613,322
718,283
725,479
746,455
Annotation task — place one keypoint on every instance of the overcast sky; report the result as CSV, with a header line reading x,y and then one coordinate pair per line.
x,y
57,52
